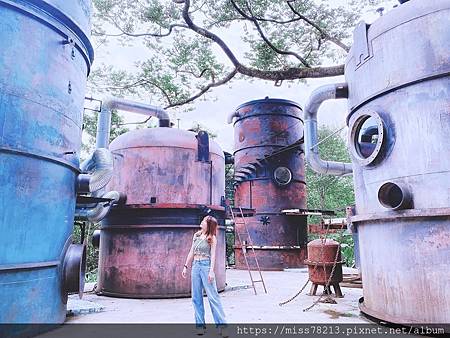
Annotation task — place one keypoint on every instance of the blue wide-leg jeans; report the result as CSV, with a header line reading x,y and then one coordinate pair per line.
x,y
199,277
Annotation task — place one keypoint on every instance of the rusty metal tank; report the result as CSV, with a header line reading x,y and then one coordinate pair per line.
x,y
270,177
397,76
169,176
322,256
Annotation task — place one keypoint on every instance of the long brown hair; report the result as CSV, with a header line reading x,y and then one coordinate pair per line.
x,y
211,228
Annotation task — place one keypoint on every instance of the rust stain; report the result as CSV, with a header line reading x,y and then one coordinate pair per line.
x,y
144,243
263,127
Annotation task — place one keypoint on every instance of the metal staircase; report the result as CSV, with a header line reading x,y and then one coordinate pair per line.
x,y
248,170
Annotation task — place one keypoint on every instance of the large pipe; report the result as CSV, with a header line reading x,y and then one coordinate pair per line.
x,y
97,213
99,169
318,96
104,116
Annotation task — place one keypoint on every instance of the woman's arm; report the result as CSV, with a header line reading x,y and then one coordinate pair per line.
x,y
213,259
189,259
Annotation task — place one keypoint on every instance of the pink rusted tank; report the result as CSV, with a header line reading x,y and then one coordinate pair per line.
x,y
270,177
170,177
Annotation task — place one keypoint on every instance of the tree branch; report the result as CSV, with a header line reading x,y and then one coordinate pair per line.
x,y
130,123
252,18
196,96
205,89
286,74
212,24
336,41
169,101
136,35
277,21
126,86
195,75
199,8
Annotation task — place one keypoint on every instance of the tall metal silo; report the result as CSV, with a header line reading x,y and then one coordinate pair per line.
x,y
45,56
398,90
270,177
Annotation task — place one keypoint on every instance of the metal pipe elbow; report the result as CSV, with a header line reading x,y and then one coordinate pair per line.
x,y
99,166
318,96
328,167
111,103
108,104
100,211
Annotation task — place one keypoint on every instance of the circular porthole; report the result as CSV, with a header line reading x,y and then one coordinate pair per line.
x,y
366,137
282,176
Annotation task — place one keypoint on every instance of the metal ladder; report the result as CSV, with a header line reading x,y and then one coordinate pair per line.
x,y
245,240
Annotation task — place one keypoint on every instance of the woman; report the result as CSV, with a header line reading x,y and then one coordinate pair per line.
x,y
203,253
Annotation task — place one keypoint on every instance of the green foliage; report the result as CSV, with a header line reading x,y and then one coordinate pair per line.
x,y
229,236
92,253
229,183
330,192
347,245
181,62
90,127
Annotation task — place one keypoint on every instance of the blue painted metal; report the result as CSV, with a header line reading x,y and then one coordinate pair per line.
x,y
45,56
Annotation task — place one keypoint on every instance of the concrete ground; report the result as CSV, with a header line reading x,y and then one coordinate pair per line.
x,y
240,303
242,307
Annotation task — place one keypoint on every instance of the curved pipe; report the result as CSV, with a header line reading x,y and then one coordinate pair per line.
x,y
318,96
231,116
104,116
97,213
99,167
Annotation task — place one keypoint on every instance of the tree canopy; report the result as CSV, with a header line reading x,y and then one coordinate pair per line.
x,y
196,45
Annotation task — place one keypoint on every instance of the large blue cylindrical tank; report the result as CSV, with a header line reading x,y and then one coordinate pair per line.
x,y
45,56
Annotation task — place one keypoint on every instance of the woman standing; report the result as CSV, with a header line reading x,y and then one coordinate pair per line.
x,y
203,255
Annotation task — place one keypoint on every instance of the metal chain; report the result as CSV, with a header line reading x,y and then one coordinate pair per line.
x,y
315,268
327,285
296,295
324,239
